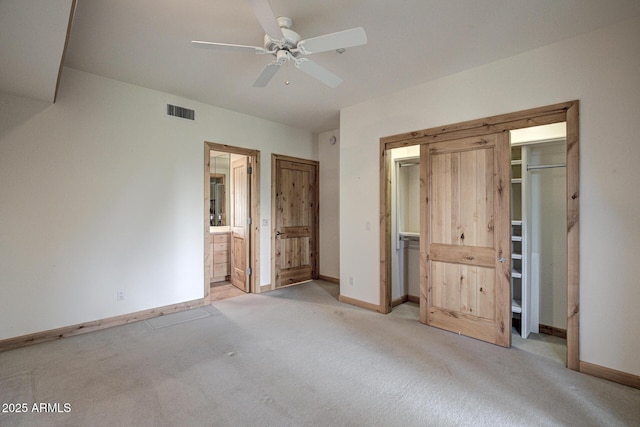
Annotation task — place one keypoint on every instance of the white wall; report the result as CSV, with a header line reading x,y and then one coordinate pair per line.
x,y
329,157
101,192
601,70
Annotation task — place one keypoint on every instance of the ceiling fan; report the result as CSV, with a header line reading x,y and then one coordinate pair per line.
x,y
286,45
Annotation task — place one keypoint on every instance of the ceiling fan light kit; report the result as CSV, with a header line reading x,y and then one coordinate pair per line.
x,y
287,45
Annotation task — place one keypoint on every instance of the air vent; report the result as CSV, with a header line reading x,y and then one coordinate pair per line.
x,y
181,112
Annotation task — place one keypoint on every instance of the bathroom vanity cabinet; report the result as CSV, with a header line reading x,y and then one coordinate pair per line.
x,y
220,261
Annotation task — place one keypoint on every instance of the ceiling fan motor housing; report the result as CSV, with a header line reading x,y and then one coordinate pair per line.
x,y
291,38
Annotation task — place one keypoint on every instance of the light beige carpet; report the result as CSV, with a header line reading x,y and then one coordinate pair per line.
x,y
298,357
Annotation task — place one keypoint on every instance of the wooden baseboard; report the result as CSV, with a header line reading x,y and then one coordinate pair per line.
x,y
619,377
405,298
96,325
552,330
399,301
361,304
329,279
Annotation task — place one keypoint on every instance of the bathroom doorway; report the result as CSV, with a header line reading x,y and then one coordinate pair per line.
x,y
231,237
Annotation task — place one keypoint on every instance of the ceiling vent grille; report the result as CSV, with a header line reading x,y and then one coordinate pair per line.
x,y
181,112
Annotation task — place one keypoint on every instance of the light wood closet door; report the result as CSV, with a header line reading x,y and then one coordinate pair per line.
x,y
465,237
296,221
240,192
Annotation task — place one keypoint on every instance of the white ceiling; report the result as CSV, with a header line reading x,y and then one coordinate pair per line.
x,y
32,39
147,43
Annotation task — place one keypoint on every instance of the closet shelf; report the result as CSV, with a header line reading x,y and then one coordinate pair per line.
x,y
516,222
516,180
516,238
516,162
516,256
516,307
516,274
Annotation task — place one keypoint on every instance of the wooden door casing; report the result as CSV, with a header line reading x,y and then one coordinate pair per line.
x,y
465,237
295,221
556,113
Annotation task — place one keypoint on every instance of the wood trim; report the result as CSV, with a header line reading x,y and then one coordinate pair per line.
x,y
553,331
254,244
96,325
493,124
329,279
396,302
425,228
563,112
405,298
208,255
609,374
274,224
361,304
234,150
385,229
484,130
72,13
573,237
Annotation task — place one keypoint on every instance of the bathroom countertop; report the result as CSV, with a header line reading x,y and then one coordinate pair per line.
x,y
219,229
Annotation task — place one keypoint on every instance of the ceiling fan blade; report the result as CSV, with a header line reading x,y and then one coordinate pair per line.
x,y
266,17
267,74
333,41
318,72
227,46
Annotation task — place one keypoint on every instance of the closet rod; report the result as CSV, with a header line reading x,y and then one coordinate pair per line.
x,y
556,165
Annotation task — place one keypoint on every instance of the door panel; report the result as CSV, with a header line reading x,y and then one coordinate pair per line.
x,y
295,220
240,192
465,237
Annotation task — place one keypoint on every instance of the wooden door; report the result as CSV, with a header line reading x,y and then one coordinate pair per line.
x,y
296,220
240,222
465,237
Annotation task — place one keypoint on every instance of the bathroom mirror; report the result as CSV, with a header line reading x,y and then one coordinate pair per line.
x,y
218,196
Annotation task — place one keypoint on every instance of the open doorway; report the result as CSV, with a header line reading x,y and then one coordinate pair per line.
x,y
538,242
468,136
231,237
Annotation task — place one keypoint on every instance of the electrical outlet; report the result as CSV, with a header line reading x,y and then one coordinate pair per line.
x,y
120,295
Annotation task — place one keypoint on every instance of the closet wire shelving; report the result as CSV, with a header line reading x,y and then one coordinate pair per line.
x,y
518,285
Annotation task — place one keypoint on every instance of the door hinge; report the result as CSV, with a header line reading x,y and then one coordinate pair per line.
x,y
249,170
248,221
249,271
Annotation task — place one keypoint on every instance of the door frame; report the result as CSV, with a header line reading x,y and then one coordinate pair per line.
x,y
254,235
315,268
563,112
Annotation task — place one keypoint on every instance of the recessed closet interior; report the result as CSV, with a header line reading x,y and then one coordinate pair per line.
x,y
405,217
539,224
538,214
